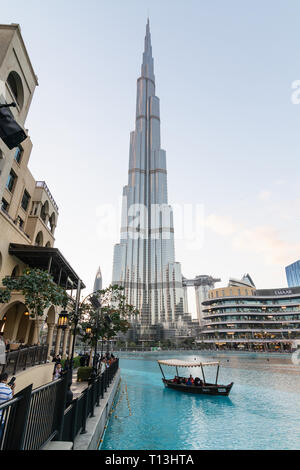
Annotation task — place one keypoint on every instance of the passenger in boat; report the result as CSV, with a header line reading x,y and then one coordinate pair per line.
x,y
198,382
176,380
190,380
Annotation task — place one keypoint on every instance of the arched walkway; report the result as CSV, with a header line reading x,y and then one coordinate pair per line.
x,y
15,322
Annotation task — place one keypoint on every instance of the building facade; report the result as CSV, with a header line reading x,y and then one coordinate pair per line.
x,y
202,284
28,211
241,317
144,260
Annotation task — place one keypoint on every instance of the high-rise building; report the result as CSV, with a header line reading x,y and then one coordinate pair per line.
x,y
144,260
293,274
98,281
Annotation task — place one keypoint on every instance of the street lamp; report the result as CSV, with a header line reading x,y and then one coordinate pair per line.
x,y
63,319
97,306
77,314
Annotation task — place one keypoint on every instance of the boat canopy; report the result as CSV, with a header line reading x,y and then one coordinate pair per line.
x,y
179,363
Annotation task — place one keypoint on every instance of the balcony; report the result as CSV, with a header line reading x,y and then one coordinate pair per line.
x,y
42,184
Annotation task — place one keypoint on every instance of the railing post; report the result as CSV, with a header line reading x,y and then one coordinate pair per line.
x,y
17,426
74,420
105,380
84,412
26,356
102,384
98,391
16,362
60,405
92,399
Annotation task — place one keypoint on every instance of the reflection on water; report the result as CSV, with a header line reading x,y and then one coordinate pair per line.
x,y
262,411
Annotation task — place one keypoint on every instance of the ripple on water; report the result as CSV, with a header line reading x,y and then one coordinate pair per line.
x,y
262,411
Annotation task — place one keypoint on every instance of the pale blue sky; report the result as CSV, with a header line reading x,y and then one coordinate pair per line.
x,y
224,72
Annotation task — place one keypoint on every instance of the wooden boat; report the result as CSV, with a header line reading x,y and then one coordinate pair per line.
x,y
201,386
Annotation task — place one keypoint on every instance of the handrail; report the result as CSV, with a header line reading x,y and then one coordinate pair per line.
x,y
35,417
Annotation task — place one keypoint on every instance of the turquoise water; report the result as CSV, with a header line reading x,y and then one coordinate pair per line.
x,y
262,411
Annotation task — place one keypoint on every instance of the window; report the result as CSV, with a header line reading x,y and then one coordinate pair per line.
x,y
4,205
11,181
18,154
25,200
20,222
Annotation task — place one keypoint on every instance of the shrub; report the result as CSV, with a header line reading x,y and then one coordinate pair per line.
x,y
76,362
83,374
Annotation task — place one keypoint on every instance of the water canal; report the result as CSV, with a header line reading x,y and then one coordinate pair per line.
x,y
262,411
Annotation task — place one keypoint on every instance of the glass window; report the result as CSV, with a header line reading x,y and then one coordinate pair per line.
x,y
18,154
25,200
11,181
4,205
20,222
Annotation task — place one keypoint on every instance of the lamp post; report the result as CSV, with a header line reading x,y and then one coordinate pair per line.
x,y
77,314
63,320
95,301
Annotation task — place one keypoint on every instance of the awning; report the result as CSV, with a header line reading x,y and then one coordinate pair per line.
x,y
50,260
179,363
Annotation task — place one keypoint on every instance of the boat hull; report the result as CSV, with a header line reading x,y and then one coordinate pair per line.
x,y
206,389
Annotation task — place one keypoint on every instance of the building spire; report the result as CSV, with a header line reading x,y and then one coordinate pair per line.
x,y
147,65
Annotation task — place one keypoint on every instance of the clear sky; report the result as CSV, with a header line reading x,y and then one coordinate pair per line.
x,y
224,73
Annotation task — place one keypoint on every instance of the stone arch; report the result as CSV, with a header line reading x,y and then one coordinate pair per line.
x,y
17,323
52,222
45,211
48,244
16,271
48,324
39,239
15,86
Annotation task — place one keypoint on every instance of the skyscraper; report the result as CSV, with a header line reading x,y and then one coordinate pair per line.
x,y
144,260
98,281
293,274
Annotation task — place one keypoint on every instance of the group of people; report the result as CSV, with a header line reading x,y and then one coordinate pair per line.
x,y
188,381
102,362
58,368
107,361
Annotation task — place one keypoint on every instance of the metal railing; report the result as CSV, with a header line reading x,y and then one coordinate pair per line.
x,y
13,418
42,184
77,413
26,357
33,418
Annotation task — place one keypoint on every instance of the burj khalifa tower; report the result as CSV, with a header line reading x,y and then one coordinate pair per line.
x,y
144,260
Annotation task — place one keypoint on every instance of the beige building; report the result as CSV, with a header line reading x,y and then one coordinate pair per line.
x,y
28,212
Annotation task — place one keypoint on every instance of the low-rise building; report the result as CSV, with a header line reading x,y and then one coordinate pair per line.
x,y
242,317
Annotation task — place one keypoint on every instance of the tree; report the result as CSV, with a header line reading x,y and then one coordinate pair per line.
x,y
39,289
112,317
4,296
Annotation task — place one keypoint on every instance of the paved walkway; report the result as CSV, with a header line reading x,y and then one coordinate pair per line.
x,y
77,387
